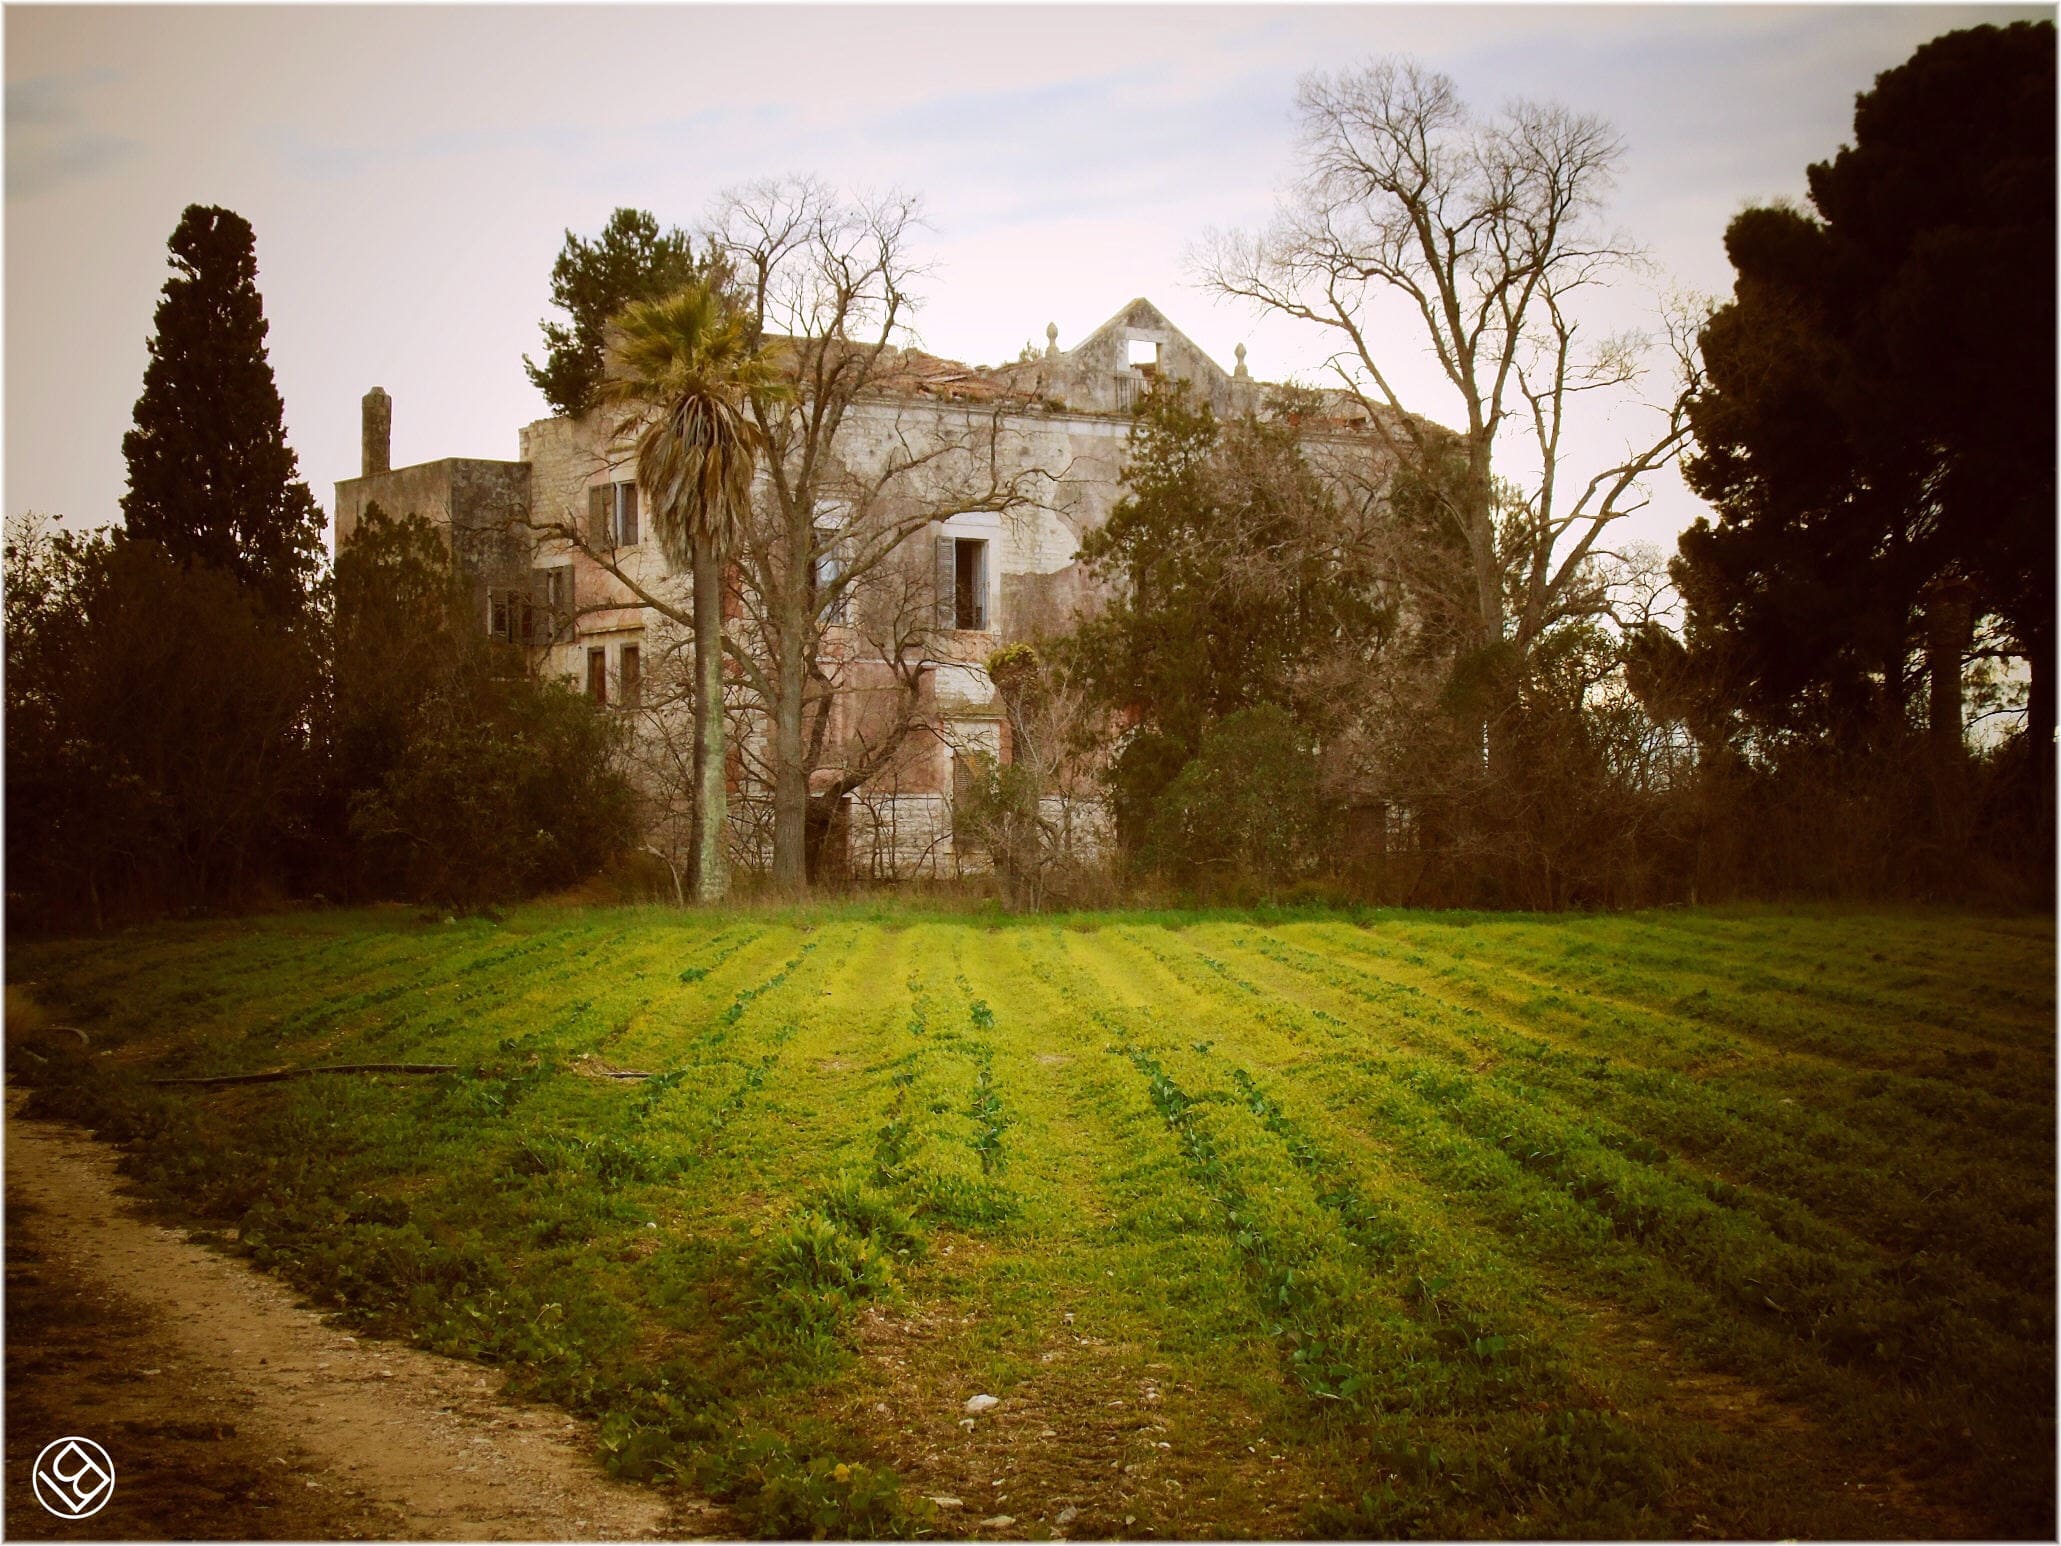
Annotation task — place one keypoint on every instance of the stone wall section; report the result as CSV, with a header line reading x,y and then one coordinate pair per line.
x,y
479,506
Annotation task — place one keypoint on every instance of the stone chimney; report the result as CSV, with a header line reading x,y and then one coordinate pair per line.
x,y
378,432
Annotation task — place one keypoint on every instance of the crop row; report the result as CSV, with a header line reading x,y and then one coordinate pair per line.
x,y
1781,1158
1847,1015
1835,1292
1559,1196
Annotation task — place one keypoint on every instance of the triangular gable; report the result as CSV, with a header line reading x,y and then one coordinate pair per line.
x,y
1107,345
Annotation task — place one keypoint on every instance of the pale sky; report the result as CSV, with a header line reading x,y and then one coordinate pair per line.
x,y
411,172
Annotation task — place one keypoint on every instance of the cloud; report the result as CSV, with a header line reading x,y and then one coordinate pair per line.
x,y
50,141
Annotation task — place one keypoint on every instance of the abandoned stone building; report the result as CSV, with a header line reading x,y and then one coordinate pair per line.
x,y
556,543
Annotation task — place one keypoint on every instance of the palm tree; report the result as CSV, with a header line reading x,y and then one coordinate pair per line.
x,y
687,367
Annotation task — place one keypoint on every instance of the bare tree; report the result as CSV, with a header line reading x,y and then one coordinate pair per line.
x,y
1486,229
829,584
1039,816
663,747
857,468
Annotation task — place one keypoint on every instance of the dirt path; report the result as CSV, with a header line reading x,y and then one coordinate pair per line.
x,y
231,1411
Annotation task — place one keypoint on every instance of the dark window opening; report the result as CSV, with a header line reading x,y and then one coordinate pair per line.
x,y
970,583
597,675
633,676
510,615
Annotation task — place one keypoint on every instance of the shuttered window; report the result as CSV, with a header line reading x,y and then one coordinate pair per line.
x,y
612,515
632,676
944,569
554,587
962,582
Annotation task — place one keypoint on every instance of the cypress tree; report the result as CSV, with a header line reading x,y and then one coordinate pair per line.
x,y
211,476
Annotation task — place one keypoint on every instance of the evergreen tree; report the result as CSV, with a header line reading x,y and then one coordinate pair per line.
x,y
211,477
1236,580
1877,431
591,282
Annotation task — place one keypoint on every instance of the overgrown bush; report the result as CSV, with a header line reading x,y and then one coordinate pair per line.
x,y
1246,810
1038,815
462,781
507,786
157,744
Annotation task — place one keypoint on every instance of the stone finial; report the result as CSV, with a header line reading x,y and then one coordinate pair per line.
x,y
378,433
1240,373
1051,340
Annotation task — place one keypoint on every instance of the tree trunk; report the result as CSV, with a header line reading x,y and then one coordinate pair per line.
x,y
790,772
1949,626
1496,720
711,795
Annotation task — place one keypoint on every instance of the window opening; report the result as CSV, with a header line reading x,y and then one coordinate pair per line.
x,y
970,583
966,781
612,515
510,614
597,674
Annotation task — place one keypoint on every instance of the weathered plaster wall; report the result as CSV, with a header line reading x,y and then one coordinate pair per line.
x,y
1062,420
424,490
567,457
489,508
478,505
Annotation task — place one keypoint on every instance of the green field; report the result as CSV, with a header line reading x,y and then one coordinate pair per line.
x,y
1680,1224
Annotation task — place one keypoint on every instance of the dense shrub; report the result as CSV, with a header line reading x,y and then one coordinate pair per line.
x,y
1246,809
157,731
507,786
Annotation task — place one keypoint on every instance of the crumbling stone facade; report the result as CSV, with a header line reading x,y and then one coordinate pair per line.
x,y
1064,415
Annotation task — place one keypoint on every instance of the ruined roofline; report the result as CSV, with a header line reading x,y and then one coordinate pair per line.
x,y
933,378
435,461
1099,377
